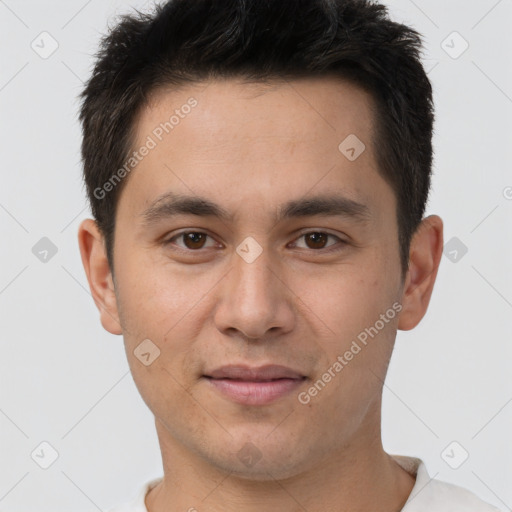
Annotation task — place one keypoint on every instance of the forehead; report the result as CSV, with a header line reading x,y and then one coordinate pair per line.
x,y
270,141
236,108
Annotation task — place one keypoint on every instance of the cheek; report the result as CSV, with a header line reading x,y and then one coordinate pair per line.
x,y
345,300
154,297
169,308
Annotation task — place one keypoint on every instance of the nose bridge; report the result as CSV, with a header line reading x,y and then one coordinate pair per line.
x,y
253,279
254,297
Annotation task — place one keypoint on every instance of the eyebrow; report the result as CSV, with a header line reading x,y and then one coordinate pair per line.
x,y
172,204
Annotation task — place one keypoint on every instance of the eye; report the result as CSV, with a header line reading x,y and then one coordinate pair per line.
x,y
192,240
317,240
314,240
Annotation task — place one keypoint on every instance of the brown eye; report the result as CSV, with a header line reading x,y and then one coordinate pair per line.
x,y
319,241
194,240
316,240
189,240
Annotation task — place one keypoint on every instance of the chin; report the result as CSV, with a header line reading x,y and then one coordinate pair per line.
x,y
259,459
262,471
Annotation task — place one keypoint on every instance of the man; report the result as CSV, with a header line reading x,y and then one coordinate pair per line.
x,y
258,173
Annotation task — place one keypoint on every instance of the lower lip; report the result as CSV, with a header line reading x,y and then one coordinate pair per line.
x,y
255,393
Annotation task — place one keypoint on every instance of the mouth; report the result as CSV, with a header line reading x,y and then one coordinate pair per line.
x,y
254,386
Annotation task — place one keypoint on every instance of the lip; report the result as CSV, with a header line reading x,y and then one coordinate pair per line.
x,y
254,385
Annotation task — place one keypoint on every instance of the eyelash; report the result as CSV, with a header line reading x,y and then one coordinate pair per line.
x,y
337,247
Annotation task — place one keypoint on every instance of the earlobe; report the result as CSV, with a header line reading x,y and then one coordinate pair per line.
x,y
99,275
424,259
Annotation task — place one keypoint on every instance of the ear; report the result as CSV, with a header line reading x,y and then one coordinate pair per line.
x,y
95,262
424,259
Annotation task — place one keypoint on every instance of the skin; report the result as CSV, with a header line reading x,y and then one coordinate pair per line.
x,y
250,149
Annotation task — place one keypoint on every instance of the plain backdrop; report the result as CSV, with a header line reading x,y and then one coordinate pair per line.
x,y
65,381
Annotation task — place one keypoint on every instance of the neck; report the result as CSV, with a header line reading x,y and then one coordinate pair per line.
x,y
360,477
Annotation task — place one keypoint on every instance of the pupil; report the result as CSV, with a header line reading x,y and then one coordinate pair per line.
x,y
320,238
195,239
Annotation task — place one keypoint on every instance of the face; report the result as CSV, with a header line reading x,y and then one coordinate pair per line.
x,y
274,321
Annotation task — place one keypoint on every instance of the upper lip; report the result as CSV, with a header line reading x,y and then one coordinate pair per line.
x,y
251,373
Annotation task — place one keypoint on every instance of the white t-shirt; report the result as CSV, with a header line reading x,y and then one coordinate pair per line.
x,y
427,495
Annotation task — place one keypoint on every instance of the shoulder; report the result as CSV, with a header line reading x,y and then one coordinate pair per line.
x,y
431,495
137,504
445,497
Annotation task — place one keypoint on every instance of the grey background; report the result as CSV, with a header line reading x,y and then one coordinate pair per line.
x,y
65,381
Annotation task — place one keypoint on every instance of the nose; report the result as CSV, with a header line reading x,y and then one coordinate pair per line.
x,y
255,302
